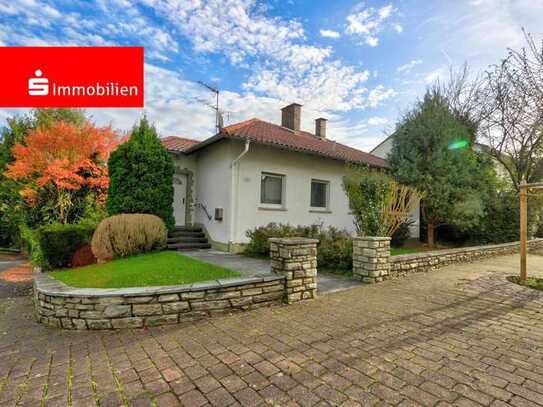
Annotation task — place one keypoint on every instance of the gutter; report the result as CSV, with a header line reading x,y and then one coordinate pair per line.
x,y
234,210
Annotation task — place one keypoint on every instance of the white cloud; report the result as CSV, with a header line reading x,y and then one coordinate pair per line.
x,y
331,87
378,121
354,133
378,95
283,65
406,68
372,41
436,74
480,31
367,23
329,34
35,23
34,12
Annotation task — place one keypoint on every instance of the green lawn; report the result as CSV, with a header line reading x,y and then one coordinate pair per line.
x,y
531,282
396,251
153,269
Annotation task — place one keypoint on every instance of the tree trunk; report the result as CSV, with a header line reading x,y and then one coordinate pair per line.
x,y
430,233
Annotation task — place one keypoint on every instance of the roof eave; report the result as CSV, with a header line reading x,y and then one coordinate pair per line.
x,y
205,143
305,151
222,135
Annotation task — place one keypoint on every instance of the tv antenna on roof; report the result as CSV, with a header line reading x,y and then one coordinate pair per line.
x,y
218,113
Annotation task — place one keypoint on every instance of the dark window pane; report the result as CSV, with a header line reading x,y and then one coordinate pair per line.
x,y
271,189
318,194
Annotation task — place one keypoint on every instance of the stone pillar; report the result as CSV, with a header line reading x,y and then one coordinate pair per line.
x,y
295,258
371,258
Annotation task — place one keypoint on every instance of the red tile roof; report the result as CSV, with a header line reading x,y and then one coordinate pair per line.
x,y
178,144
263,132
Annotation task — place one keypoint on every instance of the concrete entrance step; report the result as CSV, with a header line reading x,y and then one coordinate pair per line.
x,y
188,246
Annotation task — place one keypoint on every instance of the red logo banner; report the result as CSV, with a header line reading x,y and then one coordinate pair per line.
x,y
71,76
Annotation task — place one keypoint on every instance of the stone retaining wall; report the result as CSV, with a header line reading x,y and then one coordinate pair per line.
x,y
66,307
420,262
294,262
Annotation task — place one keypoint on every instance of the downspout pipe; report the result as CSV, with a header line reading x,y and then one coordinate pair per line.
x,y
235,198
239,157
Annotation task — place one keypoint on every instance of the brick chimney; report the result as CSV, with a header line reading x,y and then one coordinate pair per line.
x,y
291,115
320,127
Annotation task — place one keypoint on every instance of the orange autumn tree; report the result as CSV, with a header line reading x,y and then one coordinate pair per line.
x,y
60,166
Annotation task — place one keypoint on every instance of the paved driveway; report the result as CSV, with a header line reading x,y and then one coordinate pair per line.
x,y
9,287
326,282
459,336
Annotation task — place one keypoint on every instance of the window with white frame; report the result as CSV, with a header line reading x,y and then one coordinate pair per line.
x,y
320,191
272,189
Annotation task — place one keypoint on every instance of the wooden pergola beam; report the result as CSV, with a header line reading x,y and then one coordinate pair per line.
x,y
523,230
523,197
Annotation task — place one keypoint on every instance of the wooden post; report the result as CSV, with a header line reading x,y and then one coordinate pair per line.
x,y
523,229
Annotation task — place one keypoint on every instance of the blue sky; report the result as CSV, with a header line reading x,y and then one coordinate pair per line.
x,y
358,63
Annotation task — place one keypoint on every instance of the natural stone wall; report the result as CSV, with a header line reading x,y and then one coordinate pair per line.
x,y
66,307
371,258
296,260
412,263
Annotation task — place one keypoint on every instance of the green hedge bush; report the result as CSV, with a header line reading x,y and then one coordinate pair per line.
x,y
141,176
403,233
334,250
53,246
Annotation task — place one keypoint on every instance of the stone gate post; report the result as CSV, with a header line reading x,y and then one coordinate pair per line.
x,y
296,259
371,258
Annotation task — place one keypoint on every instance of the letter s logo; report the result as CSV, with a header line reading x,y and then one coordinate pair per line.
x,y
38,86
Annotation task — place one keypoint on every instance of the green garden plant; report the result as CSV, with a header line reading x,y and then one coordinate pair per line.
x,y
380,204
128,234
141,176
424,156
334,249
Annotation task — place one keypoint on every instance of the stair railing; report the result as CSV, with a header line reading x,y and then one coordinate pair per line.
x,y
204,208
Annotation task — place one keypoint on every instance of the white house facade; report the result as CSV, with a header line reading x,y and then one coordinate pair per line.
x,y
254,172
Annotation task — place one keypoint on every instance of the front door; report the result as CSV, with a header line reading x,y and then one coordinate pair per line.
x,y
180,199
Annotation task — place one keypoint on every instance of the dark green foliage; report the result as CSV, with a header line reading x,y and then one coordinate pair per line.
x,y
401,235
450,178
53,246
141,176
44,117
334,250
501,222
11,203
59,242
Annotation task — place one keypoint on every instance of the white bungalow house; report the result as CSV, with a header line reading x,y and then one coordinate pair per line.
x,y
254,172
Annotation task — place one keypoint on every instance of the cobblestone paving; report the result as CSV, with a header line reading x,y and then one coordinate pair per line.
x,y
15,276
460,336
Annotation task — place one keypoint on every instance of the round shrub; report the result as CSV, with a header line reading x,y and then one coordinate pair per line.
x,y
128,234
83,256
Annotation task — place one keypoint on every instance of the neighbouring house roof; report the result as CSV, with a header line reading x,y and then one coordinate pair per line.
x,y
178,144
261,132
380,144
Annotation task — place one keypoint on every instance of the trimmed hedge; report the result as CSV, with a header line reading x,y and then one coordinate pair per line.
x,y
334,250
141,176
53,246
